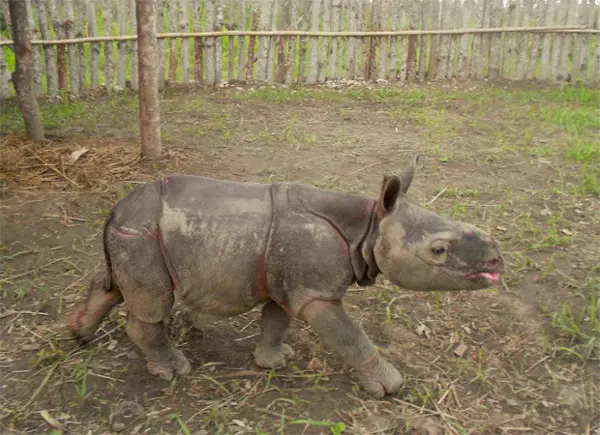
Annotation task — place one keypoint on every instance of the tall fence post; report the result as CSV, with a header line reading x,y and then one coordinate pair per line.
x,y
148,75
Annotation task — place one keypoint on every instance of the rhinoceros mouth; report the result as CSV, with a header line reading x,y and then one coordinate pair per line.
x,y
491,276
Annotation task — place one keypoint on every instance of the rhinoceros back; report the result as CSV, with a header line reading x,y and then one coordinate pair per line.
x,y
214,234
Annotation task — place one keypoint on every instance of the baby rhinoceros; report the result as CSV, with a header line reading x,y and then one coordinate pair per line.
x,y
225,247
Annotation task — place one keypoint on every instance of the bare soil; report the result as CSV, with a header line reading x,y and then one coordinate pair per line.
x,y
505,360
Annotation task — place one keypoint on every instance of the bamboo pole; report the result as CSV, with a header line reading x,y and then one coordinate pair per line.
x,y
231,24
209,42
444,40
49,55
35,52
477,60
567,42
108,47
290,65
184,26
263,47
495,60
403,22
596,79
538,17
95,46
219,46
303,23
80,30
523,44
381,9
453,41
413,41
313,69
160,25
463,49
306,33
324,55
134,81
352,43
252,43
274,12
4,77
242,40
172,8
72,53
509,41
545,62
426,24
122,52
560,17
281,52
198,55
435,39
334,46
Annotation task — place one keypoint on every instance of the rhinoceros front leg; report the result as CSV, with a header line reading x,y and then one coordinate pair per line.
x,y
331,322
152,339
270,351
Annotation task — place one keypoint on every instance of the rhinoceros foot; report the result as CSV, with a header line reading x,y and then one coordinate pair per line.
x,y
178,364
379,377
273,357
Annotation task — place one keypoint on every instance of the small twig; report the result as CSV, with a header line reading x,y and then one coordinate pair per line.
x,y
534,365
247,337
438,195
29,272
57,171
361,169
41,386
11,312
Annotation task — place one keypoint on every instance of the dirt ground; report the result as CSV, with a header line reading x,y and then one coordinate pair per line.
x,y
521,161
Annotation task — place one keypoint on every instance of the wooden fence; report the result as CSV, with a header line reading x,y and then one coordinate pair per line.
x,y
83,44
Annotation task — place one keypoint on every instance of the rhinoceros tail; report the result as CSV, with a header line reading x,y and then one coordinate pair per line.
x,y
108,278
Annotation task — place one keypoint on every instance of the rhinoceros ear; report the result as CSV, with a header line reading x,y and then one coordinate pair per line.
x,y
390,190
406,176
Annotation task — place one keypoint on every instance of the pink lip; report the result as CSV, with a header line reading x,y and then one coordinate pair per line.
x,y
492,276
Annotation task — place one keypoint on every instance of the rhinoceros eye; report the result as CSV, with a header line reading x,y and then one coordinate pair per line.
x,y
438,250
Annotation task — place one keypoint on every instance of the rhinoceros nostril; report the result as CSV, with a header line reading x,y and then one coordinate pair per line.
x,y
493,263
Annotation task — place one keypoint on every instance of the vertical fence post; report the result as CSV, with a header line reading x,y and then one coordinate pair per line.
x,y
325,41
134,80
49,55
184,27
352,42
242,40
463,45
313,68
148,75
523,44
160,25
197,26
545,63
95,46
108,47
425,17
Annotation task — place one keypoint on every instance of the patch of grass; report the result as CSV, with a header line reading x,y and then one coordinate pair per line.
x,y
584,150
579,331
336,428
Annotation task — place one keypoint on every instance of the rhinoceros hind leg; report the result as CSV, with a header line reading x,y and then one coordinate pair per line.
x,y
270,352
87,318
163,359
333,325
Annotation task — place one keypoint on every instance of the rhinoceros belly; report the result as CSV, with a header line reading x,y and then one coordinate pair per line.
x,y
214,235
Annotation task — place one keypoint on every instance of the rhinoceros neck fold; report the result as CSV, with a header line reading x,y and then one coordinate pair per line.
x,y
353,217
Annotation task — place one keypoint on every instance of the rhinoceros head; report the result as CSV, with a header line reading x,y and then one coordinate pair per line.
x,y
420,250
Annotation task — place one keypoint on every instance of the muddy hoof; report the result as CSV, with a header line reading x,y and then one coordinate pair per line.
x,y
179,364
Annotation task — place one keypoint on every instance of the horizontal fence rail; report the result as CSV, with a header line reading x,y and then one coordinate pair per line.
x,y
81,44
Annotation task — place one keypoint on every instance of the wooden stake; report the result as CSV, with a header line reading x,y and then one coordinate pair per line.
x,y
148,74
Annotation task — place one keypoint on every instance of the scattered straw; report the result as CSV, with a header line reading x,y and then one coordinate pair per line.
x,y
27,165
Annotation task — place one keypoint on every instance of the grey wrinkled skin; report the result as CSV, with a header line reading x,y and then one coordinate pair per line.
x,y
225,247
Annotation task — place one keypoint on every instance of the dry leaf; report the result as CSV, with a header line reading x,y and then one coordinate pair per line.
x,y
32,346
500,228
566,232
75,155
460,349
51,420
